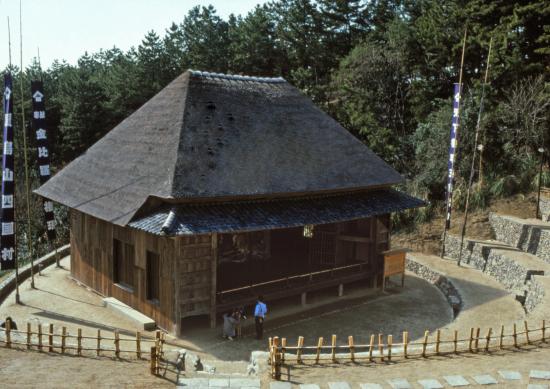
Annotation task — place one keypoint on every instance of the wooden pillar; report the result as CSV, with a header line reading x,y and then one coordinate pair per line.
x,y
341,290
213,282
304,299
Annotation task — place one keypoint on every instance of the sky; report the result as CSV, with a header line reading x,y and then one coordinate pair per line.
x,y
65,29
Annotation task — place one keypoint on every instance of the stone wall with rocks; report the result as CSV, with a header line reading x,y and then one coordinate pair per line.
x,y
535,293
439,280
544,206
508,230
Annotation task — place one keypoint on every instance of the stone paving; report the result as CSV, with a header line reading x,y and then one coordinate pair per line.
x,y
539,379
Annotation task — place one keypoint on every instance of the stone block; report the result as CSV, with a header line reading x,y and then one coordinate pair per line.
x,y
456,380
510,375
540,374
485,379
399,383
339,385
430,384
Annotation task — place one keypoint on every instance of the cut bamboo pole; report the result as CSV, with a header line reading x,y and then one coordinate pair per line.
x,y
527,332
153,367
425,343
117,344
501,340
299,350
276,364
28,335
371,346
390,342
138,345
488,339
478,330
333,348
50,338
351,348
515,335
63,337
455,341
79,342
437,341
99,343
39,336
471,340
405,343
544,331
8,333
381,346
318,353
283,349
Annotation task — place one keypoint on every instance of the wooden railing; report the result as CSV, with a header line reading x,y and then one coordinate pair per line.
x,y
384,349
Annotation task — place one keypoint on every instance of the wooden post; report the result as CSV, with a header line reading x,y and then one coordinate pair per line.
x,y
477,339
213,278
153,367
425,343
488,339
276,364
50,338
333,348
99,342
405,343
117,344
283,349
471,340
543,331
381,346
304,299
341,290
501,341
351,348
515,335
371,346
28,335
39,337
138,345
455,341
79,342
319,345
63,335
437,341
8,333
527,332
390,342
299,349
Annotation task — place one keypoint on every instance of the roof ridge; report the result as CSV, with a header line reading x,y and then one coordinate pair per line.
x,y
236,77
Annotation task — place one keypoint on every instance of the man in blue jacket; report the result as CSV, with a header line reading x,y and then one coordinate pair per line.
x,y
259,316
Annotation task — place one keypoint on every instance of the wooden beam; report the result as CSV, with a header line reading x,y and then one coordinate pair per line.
x,y
213,280
350,238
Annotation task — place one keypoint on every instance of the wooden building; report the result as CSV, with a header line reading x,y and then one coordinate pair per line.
x,y
220,188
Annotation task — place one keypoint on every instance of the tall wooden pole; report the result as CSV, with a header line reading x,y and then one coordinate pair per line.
x,y
472,167
25,151
449,196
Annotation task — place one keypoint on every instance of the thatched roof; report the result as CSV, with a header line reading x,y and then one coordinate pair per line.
x,y
214,137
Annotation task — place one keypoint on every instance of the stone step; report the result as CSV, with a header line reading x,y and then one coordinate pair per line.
x,y
529,235
144,322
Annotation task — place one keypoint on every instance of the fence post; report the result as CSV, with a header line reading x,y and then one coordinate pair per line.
x,y
501,341
270,348
381,346
28,335
333,348
98,342
117,344
471,340
63,335
79,342
138,344
527,332
299,349
437,340
39,336
351,348
319,345
405,343
8,333
543,331
390,342
425,343
478,330
50,338
276,364
283,349
515,334
455,341
371,346
153,367
488,340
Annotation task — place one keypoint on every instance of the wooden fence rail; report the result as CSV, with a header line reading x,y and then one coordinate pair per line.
x,y
386,349
62,342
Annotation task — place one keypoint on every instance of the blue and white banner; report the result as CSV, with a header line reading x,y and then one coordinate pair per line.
x,y
452,153
42,147
7,214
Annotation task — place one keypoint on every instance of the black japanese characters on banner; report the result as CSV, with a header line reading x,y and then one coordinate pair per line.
x,y
42,146
7,238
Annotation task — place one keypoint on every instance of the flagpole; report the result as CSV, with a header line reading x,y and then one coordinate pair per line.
x,y
472,169
25,152
17,296
451,173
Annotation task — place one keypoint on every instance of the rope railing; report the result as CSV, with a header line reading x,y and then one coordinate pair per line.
x,y
385,349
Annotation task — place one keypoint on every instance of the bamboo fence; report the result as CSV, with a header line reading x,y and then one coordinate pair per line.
x,y
45,339
385,349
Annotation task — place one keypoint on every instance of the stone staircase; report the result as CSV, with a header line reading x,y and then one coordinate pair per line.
x,y
519,257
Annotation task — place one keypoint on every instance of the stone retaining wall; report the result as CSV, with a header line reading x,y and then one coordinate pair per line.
x,y
535,294
544,206
439,280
